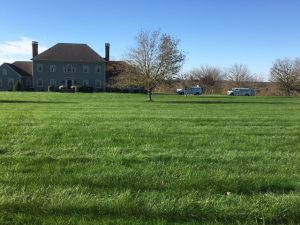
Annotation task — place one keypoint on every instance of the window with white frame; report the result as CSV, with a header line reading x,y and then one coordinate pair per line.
x,y
98,84
52,68
40,82
86,69
10,83
98,69
69,69
85,83
39,67
4,72
53,82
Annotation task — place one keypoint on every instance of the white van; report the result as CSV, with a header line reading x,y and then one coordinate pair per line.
x,y
241,92
190,91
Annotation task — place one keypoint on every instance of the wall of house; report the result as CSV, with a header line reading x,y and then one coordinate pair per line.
x,y
46,73
8,78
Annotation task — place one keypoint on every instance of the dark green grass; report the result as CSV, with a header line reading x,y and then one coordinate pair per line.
x,y
118,159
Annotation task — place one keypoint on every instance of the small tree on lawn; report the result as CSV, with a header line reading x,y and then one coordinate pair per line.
x,y
155,58
286,74
17,86
206,76
239,75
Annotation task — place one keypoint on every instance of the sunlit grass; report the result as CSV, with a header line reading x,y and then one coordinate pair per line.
x,y
118,159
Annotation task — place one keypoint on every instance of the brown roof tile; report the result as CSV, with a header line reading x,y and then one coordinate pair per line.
x,y
24,68
65,52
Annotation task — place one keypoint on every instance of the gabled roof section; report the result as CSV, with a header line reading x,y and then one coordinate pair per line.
x,y
66,52
24,68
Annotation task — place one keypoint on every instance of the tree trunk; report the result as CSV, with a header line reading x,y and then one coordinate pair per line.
x,y
150,95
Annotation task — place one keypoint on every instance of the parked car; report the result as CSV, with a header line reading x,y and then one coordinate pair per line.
x,y
190,91
241,92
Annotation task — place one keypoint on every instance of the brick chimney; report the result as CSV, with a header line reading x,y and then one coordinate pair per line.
x,y
35,48
107,50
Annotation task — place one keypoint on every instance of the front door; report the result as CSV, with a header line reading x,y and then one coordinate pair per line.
x,y
69,84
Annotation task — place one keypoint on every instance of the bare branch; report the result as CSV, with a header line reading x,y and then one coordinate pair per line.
x,y
206,76
238,74
286,74
155,58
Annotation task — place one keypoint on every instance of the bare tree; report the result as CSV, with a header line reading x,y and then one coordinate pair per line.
x,y
206,76
183,80
155,58
286,74
239,74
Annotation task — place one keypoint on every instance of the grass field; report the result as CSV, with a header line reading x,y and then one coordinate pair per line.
x,y
118,159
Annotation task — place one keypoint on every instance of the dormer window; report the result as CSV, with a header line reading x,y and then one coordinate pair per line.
x,y
98,69
52,68
4,72
39,68
86,69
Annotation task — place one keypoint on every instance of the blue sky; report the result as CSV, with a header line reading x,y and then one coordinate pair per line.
x,y
212,32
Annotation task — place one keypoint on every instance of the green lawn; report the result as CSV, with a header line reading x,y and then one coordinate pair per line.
x,y
118,159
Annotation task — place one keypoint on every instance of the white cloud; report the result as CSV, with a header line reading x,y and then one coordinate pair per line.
x,y
21,49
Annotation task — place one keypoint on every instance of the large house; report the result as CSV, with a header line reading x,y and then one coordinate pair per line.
x,y
64,64
15,72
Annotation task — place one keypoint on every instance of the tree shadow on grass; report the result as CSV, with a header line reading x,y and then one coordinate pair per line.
x,y
139,210
32,102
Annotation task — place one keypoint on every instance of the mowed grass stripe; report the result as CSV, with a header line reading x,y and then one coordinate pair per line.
x,y
116,158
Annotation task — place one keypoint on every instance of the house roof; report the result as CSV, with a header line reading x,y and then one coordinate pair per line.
x,y
66,52
24,68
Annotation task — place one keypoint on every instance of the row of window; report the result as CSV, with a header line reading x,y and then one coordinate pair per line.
x,y
10,83
53,82
68,68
